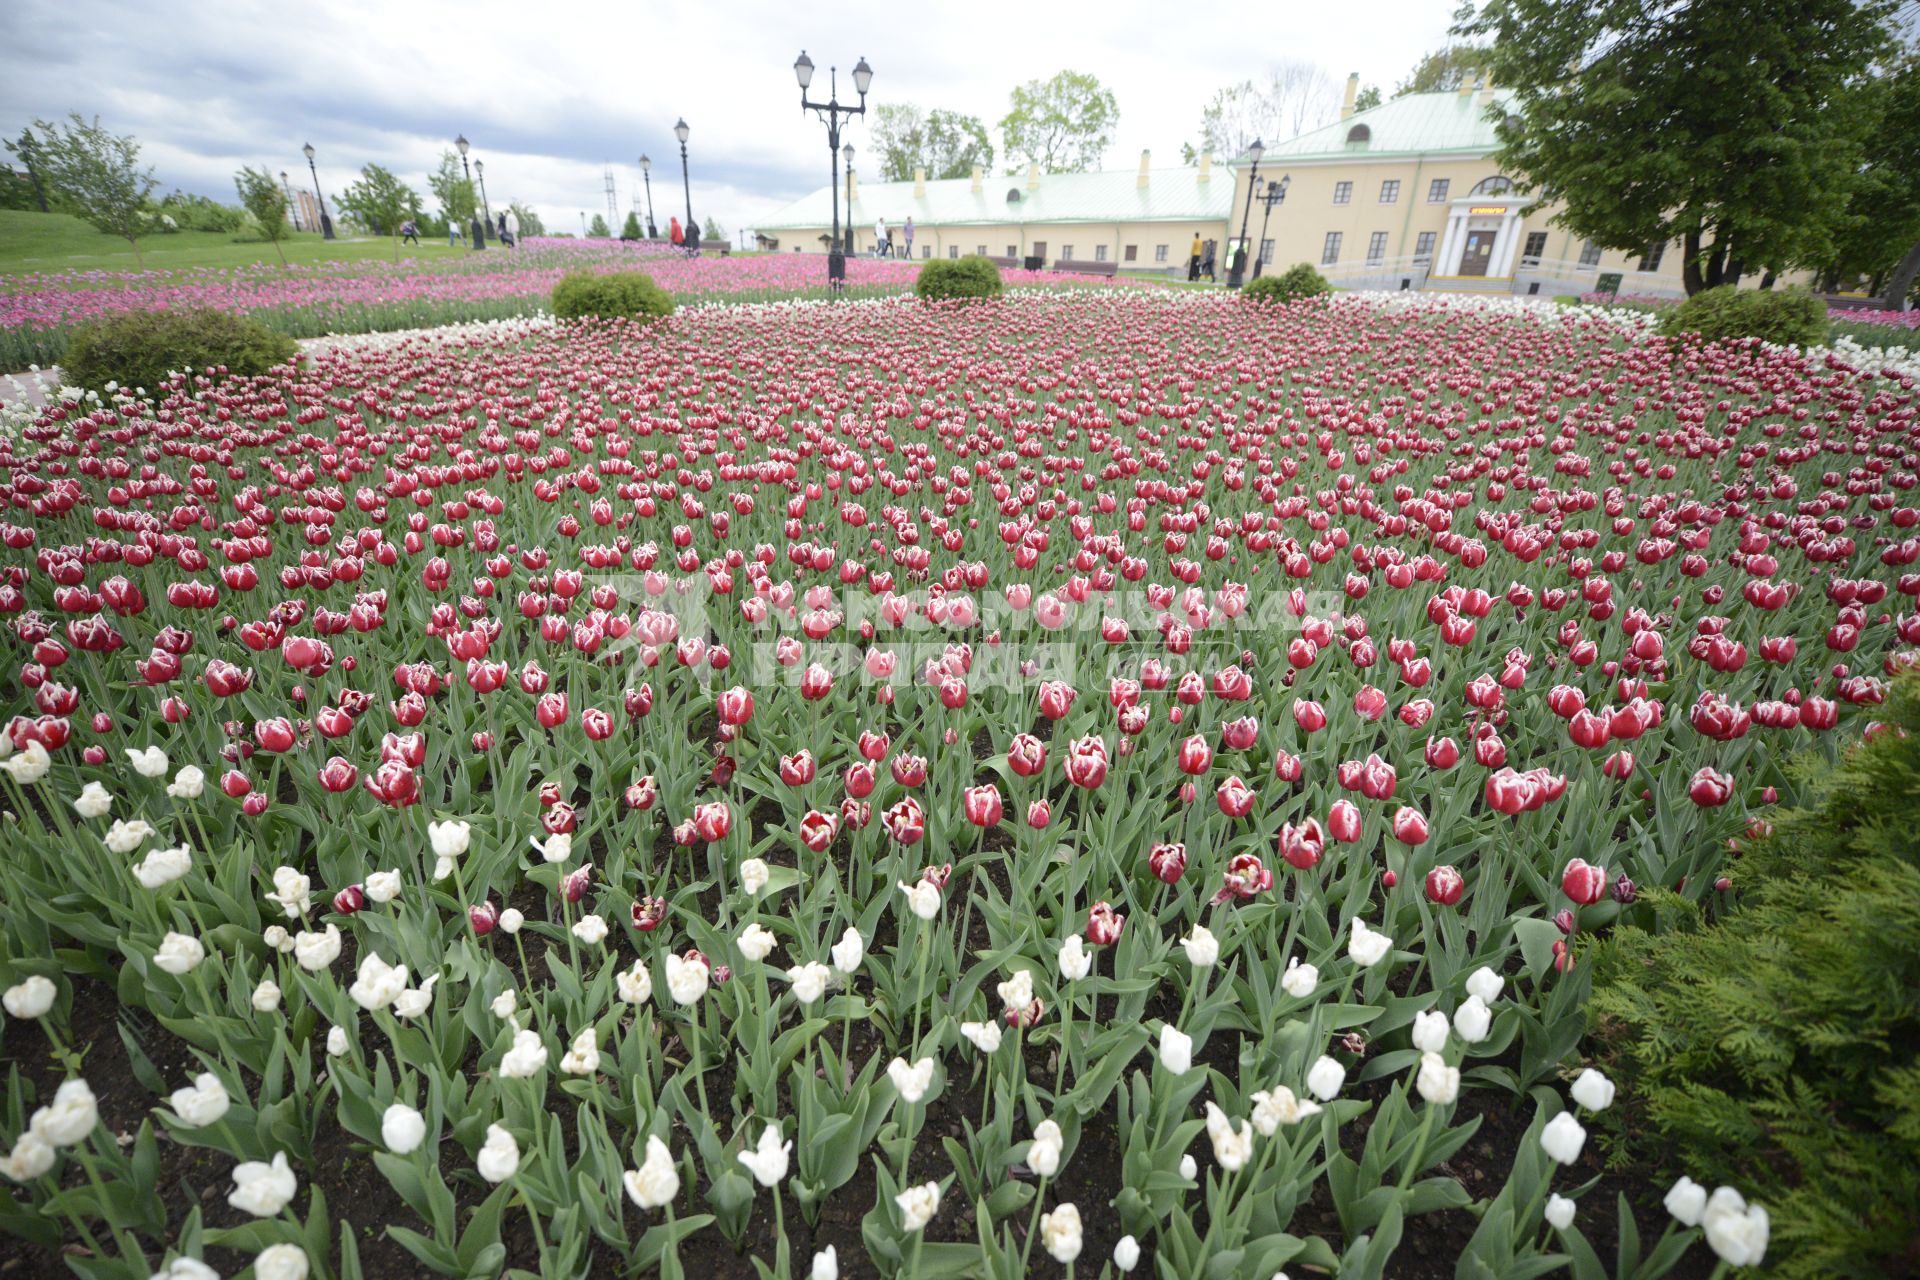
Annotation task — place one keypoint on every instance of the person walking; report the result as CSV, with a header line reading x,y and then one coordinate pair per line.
x,y
513,229
881,241
409,232
906,235
1206,263
1193,258
674,233
456,235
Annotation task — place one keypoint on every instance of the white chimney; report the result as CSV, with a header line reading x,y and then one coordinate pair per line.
x,y
1146,161
976,179
1033,175
1206,167
919,184
1353,92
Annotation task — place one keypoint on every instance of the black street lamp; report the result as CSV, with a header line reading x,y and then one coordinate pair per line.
x,y
646,169
1275,194
480,168
1238,270
831,111
847,151
326,223
476,231
690,238
292,209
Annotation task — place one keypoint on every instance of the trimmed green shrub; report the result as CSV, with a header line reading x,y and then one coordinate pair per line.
x,y
970,277
1780,316
1776,1049
139,348
1296,282
610,295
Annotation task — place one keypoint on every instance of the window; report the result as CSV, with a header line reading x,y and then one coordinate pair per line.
x,y
926,251
1359,136
1099,253
1650,260
1390,191
1437,191
1376,247
1342,192
1589,254
1039,249
1066,253
1535,247
1494,186
1159,253
1266,252
1133,253
1330,251
953,250
1423,247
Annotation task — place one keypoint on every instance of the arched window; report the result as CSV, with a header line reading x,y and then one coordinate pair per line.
x,y
1013,195
1359,136
1494,186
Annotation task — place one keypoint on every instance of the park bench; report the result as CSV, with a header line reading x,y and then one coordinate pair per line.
x,y
1081,267
1004,263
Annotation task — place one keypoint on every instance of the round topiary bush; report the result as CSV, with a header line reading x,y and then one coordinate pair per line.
x,y
1296,282
611,295
970,277
140,348
1781,316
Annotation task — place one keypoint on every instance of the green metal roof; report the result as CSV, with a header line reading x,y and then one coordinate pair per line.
x,y
1171,195
1417,124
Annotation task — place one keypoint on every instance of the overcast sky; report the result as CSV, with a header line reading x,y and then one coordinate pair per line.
x,y
550,93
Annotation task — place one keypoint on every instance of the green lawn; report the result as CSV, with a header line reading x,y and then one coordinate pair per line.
x,y
47,242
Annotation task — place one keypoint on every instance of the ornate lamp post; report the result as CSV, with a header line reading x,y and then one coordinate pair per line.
x,y
326,223
646,168
481,169
477,232
692,234
847,151
1275,194
831,111
293,210
1236,273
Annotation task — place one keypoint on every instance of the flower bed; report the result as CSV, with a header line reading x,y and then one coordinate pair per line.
x,y
888,788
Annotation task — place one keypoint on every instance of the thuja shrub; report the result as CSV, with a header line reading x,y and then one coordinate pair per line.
x,y
1777,1047
1780,316
140,348
1296,282
610,295
970,277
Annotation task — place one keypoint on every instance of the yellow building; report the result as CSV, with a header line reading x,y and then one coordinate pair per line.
x,y
1404,195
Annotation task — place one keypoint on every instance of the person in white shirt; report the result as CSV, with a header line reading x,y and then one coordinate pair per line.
x,y
879,237
513,228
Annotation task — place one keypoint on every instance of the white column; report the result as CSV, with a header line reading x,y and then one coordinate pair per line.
x,y
1504,246
1447,261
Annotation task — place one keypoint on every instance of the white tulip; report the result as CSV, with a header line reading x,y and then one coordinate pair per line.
x,y
403,1129
1231,1146
849,951
1075,963
1278,1106
506,1002
1686,1201
826,1265
1430,1031
984,1036
527,1056
1735,1231
30,764
922,898
1472,1020
449,839
1043,1153
93,801
377,984
1126,1254
767,1162
1563,1138
582,1058
1300,980
202,1103
383,886
281,1262
188,783
1325,1077
754,876
263,1190
148,762
1202,947
1437,1082
756,943
1559,1212
1017,992
186,1269
686,979
178,954
590,929
338,1042
415,1001
32,1156
809,981
558,848
1592,1090
163,866
1189,1168
1485,984
499,1157
635,985
656,1182
266,996
1366,947
30,998
1060,1232
314,951
911,1082
918,1205
511,919
125,835
277,937
1176,1049
290,890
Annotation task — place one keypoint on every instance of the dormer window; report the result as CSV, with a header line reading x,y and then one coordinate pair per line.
x,y
1359,136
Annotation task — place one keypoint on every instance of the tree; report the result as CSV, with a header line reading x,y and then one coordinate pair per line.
x,y
714,231
630,230
1292,97
1063,125
1881,237
261,196
454,191
95,173
900,138
947,144
1736,129
1367,99
530,224
598,228
1444,70
380,202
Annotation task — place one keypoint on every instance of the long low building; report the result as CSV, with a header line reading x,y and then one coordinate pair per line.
x,y
1405,195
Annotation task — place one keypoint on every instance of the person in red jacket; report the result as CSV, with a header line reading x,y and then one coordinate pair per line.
x,y
673,231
